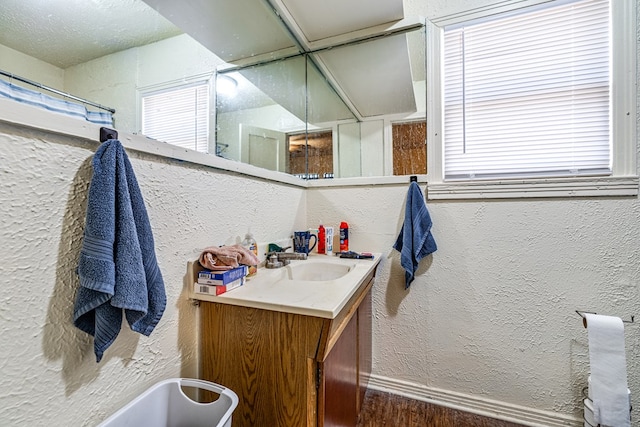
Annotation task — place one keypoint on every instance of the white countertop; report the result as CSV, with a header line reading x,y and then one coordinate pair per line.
x,y
273,289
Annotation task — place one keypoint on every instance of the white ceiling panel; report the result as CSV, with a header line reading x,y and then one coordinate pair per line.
x,y
327,18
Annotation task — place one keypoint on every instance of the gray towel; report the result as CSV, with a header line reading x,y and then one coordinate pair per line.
x,y
117,267
415,240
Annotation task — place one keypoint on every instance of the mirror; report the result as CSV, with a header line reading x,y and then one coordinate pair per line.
x,y
307,115
320,107
265,121
252,120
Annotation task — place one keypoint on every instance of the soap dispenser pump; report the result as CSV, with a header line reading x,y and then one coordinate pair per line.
x,y
250,243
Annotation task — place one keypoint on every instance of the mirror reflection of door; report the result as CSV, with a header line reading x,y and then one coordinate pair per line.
x,y
264,148
409,148
320,151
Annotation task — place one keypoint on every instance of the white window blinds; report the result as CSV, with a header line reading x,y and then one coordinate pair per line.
x,y
528,95
179,116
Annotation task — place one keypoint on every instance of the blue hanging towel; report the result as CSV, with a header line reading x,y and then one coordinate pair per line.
x,y
415,240
117,267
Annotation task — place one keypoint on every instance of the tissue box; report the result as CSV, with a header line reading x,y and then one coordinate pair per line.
x,y
208,277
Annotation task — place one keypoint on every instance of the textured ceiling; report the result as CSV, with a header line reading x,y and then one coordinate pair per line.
x,y
70,32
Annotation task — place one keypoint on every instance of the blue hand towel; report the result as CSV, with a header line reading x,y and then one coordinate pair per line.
x,y
415,240
117,267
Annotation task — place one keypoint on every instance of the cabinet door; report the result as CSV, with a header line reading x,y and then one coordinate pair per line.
x,y
365,347
263,356
339,380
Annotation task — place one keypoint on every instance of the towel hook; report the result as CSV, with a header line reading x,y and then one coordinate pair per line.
x,y
107,134
413,178
584,318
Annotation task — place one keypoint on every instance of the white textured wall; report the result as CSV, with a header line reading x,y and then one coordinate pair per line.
x,y
491,313
31,68
114,80
48,371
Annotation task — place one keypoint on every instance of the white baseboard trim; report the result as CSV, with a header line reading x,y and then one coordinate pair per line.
x,y
474,404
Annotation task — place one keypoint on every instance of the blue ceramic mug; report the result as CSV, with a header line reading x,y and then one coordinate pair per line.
x,y
301,240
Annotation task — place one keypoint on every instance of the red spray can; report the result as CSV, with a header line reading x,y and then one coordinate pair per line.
x,y
344,237
322,240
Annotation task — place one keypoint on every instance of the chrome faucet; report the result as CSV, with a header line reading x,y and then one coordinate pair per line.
x,y
277,259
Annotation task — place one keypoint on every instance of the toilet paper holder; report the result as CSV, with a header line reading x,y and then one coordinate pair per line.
x,y
584,318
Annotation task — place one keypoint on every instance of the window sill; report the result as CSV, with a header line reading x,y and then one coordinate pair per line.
x,y
536,188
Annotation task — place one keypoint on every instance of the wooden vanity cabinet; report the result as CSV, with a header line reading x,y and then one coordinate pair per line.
x,y
290,369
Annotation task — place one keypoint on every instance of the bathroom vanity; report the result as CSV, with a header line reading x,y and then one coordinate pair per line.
x,y
293,343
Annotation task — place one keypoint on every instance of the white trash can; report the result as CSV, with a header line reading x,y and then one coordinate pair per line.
x,y
166,405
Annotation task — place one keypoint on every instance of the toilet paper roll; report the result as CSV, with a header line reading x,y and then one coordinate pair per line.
x,y
608,370
589,395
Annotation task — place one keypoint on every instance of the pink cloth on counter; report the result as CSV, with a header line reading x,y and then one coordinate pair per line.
x,y
227,257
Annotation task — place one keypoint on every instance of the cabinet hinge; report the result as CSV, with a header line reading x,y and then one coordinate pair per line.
x,y
318,376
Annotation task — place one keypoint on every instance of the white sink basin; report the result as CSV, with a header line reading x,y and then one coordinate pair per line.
x,y
317,271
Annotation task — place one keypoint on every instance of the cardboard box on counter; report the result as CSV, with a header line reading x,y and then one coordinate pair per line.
x,y
208,277
200,288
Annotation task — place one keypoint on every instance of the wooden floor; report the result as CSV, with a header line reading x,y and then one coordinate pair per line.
x,y
389,410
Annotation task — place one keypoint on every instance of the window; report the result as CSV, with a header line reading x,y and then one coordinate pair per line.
x,y
531,95
178,115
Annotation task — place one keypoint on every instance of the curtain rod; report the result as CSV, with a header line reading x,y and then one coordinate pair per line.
x,y
50,89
